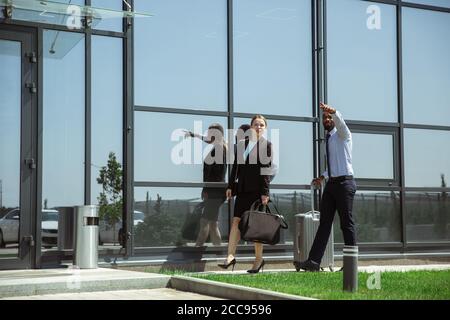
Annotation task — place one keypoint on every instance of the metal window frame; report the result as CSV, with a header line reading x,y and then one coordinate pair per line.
x,y
319,93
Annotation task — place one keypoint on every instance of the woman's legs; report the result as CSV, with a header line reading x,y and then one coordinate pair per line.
x,y
235,236
258,255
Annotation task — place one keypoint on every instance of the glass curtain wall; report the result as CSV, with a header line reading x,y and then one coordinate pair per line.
x,y
83,106
187,78
363,42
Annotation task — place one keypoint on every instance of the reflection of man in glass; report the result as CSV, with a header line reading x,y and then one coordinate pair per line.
x,y
214,169
339,190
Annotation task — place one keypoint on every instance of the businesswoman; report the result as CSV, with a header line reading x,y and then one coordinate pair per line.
x,y
251,170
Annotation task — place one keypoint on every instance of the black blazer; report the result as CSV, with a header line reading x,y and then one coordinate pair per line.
x,y
252,177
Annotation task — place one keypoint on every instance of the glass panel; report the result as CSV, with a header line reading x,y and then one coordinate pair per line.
x,y
438,3
426,157
292,142
161,153
369,164
426,67
63,123
272,63
109,23
362,59
70,13
51,12
168,213
290,203
377,217
10,111
427,216
107,121
182,64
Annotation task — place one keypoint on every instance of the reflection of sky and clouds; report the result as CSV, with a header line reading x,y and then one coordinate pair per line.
x,y
272,57
107,105
361,62
427,156
426,67
182,62
63,120
439,3
373,156
10,89
181,54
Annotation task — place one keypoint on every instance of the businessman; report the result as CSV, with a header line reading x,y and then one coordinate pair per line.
x,y
339,190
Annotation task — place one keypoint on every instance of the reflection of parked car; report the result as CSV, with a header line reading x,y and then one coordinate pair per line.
x,y
9,227
110,233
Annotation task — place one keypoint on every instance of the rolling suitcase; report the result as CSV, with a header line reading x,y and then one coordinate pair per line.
x,y
306,225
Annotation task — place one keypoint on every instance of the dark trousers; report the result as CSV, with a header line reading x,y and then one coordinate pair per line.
x,y
336,196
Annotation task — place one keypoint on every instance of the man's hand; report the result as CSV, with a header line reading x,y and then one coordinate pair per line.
x,y
327,108
264,200
317,181
204,195
228,194
188,134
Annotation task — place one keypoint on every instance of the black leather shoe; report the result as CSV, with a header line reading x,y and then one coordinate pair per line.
x,y
261,266
307,265
226,265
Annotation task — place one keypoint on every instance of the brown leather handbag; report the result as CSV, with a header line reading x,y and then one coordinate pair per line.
x,y
261,225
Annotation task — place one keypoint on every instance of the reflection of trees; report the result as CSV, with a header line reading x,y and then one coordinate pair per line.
x,y
110,199
428,215
162,222
377,217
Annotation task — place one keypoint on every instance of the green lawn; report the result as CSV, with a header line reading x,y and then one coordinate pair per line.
x,y
413,285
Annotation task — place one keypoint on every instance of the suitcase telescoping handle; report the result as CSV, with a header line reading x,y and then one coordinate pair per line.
x,y
314,187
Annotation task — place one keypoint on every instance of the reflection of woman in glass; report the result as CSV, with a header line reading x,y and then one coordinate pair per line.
x,y
214,169
251,169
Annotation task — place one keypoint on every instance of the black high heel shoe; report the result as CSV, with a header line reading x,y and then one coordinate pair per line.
x,y
261,266
226,265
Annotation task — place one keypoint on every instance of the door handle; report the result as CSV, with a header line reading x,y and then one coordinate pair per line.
x,y
29,240
31,163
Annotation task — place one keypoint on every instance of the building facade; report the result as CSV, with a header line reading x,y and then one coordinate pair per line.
x,y
95,93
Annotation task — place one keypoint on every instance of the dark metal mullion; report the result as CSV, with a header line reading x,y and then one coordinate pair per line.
x,y
425,7
165,184
34,137
314,102
393,2
128,132
373,123
426,189
277,117
88,118
322,75
27,149
107,33
362,187
39,143
401,154
426,127
230,92
180,111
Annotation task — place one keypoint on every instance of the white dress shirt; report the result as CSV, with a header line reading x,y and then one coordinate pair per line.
x,y
249,148
340,149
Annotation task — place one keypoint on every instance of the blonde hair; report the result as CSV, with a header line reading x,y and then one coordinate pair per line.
x,y
258,116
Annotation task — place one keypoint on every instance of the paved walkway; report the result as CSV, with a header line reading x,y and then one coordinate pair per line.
x,y
112,284
143,294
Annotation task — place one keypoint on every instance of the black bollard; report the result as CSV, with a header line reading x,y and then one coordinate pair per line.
x,y
350,256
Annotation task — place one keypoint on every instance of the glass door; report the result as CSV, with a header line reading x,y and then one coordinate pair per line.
x,y
17,153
